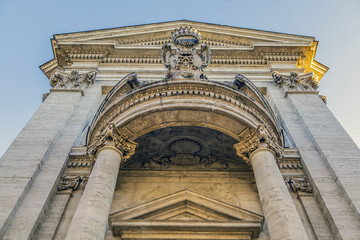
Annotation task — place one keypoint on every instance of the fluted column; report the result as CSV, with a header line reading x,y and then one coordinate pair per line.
x,y
91,216
281,216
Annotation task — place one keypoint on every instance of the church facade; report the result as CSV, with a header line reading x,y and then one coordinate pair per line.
x,y
181,130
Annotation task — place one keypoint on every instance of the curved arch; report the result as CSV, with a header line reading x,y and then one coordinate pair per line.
x,y
141,109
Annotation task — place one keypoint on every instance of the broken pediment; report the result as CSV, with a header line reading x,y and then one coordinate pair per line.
x,y
185,215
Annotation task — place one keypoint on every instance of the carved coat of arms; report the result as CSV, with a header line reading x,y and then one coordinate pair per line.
x,y
187,62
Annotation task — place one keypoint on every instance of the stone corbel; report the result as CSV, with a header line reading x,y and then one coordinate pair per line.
x,y
295,83
111,136
298,184
61,81
72,182
252,140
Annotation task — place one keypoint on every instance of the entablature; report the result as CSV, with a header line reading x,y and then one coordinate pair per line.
x,y
142,45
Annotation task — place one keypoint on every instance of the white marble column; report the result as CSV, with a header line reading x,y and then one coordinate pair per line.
x,y
91,216
282,219
281,216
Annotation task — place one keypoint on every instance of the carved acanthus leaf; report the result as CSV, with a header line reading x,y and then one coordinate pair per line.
x,y
295,82
299,184
187,62
72,182
72,81
111,136
252,140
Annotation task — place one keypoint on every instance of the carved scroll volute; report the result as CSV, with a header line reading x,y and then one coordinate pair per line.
x,y
111,136
252,140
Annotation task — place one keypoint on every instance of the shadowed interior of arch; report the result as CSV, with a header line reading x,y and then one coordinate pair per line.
x,y
185,147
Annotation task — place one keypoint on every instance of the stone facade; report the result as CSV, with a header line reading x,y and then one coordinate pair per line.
x,y
181,130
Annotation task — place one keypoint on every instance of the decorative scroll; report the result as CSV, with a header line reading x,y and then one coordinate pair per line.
x,y
111,136
323,98
187,62
73,182
295,82
240,81
252,140
72,81
44,96
298,184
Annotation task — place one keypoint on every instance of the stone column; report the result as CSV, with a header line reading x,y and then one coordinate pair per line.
x,y
91,217
281,216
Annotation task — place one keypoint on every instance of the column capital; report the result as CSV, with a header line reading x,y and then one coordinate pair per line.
x,y
114,138
257,139
74,81
295,83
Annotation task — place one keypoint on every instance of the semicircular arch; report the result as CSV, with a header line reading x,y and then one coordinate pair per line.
x,y
141,109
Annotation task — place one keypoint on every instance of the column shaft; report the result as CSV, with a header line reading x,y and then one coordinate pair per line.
x,y
281,216
91,217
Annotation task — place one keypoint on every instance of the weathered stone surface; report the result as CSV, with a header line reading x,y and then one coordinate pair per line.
x,y
29,150
90,219
167,115
44,185
334,205
276,202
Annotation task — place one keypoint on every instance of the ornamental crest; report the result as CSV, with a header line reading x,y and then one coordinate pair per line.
x,y
187,62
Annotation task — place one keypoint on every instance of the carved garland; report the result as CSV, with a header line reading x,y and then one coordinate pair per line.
x,y
295,82
72,81
183,90
251,142
111,136
298,184
72,182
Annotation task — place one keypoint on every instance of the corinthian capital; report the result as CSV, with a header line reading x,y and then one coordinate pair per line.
x,y
111,136
252,140
295,82
60,80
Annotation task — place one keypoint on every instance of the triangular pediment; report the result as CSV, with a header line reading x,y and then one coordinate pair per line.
x,y
142,44
157,33
186,211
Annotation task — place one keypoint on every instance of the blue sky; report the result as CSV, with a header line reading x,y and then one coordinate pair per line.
x,y
27,26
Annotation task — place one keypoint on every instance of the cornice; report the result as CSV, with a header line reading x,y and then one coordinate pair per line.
x,y
138,44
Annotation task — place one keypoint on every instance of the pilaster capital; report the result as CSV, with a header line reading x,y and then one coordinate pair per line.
x,y
252,141
61,81
295,83
113,137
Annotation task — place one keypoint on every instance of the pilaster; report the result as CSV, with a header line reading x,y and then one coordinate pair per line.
x,y
329,156
41,149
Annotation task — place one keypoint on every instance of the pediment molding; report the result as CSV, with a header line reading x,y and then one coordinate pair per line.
x,y
142,44
183,212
